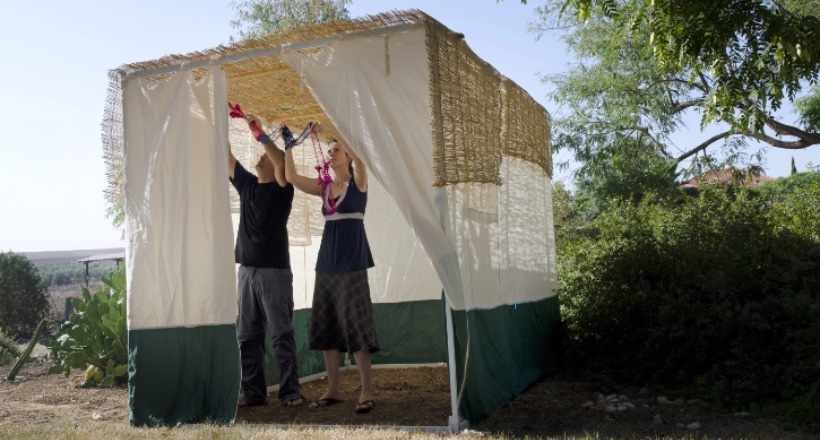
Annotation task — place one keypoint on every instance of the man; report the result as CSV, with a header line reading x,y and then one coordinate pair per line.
x,y
265,281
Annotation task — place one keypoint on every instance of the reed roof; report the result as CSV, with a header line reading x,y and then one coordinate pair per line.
x,y
477,113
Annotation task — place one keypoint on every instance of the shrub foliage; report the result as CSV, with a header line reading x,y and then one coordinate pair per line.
x,y
95,337
9,351
718,296
23,297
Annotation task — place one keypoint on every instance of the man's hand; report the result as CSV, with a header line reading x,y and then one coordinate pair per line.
x,y
253,119
255,124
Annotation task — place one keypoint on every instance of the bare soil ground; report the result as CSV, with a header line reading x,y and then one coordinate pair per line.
x,y
406,397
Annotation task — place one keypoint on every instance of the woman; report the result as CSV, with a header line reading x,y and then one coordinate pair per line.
x,y
342,315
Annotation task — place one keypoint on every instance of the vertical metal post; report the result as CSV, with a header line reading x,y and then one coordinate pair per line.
x,y
453,422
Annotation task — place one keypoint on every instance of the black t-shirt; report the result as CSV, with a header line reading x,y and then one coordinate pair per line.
x,y
262,240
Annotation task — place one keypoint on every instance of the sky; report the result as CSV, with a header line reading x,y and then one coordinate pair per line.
x,y
53,80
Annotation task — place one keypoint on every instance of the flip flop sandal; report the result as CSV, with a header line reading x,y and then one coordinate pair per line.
x,y
364,407
321,403
295,398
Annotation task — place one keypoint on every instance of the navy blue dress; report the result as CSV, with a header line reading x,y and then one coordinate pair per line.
x,y
344,246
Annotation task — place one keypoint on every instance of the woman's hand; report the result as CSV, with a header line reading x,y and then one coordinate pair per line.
x,y
324,127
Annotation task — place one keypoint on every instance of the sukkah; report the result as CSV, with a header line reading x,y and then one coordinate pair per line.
x,y
459,212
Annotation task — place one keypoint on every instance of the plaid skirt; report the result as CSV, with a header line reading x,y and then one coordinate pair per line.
x,y
342,315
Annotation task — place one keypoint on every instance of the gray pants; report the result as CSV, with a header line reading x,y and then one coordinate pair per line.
x,y
266,305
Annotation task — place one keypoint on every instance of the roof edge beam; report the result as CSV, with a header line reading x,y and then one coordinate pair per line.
x,y
312,44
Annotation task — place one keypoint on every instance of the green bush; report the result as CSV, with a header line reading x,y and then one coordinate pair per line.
x,y
780,189
796,199
23,297
715,297
9,352
95,337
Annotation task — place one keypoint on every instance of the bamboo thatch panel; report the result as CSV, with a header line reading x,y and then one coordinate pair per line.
x,y
465,104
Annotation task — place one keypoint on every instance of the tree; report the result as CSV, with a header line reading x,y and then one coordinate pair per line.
x,y
745,55
565,216
617,120
23,297
809,109
645,64
257,18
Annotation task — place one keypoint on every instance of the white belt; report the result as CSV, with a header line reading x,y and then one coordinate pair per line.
x,y
340,216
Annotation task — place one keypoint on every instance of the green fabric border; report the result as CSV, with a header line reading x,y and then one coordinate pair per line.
x,y
183,375
409,333
191,375
511,348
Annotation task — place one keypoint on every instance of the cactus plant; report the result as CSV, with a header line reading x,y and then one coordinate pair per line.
x,y
35,338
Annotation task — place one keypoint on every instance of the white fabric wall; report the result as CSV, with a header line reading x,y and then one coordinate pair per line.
x,y
403,271
504,237
178,226
489,245
385,117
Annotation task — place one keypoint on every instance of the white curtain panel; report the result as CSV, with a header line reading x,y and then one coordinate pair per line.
x,y
179,245
489,245
375,91
385,117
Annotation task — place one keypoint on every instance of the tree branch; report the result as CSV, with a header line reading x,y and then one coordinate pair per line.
x,y
668,94
706,85
701,147
655,142
780,128
792,145
681,106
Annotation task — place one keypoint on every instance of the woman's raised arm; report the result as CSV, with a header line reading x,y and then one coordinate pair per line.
x,y
360,175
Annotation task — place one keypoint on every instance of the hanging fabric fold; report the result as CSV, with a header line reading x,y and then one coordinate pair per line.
x,y
183,356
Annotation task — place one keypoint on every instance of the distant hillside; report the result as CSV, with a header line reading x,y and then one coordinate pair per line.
x,y
64,256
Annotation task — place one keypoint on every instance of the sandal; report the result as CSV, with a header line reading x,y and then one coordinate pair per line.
x,y
364,407
291,404
321,403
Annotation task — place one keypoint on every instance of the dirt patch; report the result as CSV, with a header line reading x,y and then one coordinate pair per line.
x,y
50,398
556,407
404,397
409,397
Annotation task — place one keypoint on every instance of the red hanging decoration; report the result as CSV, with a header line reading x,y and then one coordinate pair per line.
x,y
324,178
236,112
322,165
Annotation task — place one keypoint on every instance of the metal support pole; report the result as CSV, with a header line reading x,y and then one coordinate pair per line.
x,y
453,421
